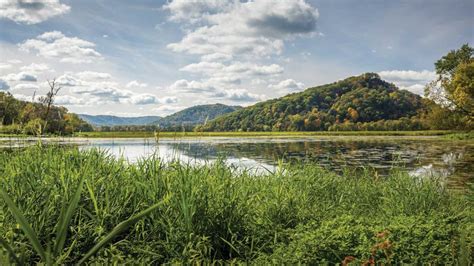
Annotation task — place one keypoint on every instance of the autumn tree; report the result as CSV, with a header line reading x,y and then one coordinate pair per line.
x,y
453,89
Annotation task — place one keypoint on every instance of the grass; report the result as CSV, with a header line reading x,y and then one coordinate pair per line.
x,y
145,134
65,206
460,136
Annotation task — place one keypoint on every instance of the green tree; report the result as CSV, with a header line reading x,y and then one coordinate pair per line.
x,y
453,89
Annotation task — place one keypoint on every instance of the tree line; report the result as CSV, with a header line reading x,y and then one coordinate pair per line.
x,y
38,117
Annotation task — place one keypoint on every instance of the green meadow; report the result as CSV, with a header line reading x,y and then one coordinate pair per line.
x,y
61,205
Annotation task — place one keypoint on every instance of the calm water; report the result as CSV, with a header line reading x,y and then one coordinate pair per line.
x,y
422,156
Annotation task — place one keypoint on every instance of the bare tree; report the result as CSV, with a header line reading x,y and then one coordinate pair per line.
x,y
48,100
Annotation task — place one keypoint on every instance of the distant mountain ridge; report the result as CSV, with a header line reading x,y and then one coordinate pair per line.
x,y
111,120
188,117
355,101
196,115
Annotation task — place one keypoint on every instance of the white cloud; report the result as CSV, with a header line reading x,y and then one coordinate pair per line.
x,y
97,88
5,66
55,44
255,27
232,39
233,70
136,84
25,86
110,92
167,109
193,10
35,68
253,70
416,88
15,61
224,81
82,78
31,11
91,75
21,76
69,100
408,75
106,91
68,80
145,98
287,86
4,85
192,86
168,100
238,95
413,81
216,57
205,88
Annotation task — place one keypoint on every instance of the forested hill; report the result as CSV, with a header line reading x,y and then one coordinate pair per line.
x,y
110,120
357,102
196,115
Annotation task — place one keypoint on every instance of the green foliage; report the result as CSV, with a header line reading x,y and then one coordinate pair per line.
x,y
454,89
462,88
184,134
11,129
402,124
33,127
213,213
448,64
26,117
460,136
360,99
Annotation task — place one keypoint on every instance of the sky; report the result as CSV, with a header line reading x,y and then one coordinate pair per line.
x,y
153,57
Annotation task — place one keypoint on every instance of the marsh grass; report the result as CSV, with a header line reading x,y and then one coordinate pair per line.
x,y
184,134
62,205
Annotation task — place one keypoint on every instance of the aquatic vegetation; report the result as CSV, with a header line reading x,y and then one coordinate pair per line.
x,y
171,134
62,205
460,136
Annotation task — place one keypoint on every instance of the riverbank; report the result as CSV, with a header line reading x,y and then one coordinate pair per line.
x,y
73,201
445,134
259,134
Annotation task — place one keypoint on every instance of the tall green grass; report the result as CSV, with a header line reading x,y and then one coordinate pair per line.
x,y
65,206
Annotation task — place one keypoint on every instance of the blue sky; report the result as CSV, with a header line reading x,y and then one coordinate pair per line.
x,y
157,57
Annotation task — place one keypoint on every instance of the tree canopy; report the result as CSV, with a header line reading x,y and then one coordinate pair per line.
x,y
36,118
454,87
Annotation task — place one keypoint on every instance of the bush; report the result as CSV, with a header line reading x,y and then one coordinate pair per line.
x,y
10,129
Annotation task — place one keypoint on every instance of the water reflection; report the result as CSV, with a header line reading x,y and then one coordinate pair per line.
x,y
422,156
187,152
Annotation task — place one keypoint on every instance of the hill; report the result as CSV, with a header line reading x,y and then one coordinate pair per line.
x,y
196,115
188,117
362,102
110,120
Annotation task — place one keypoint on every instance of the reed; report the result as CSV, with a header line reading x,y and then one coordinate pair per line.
x,y
65,206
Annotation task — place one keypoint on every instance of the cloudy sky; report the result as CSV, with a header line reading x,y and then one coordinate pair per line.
x,y
152,57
